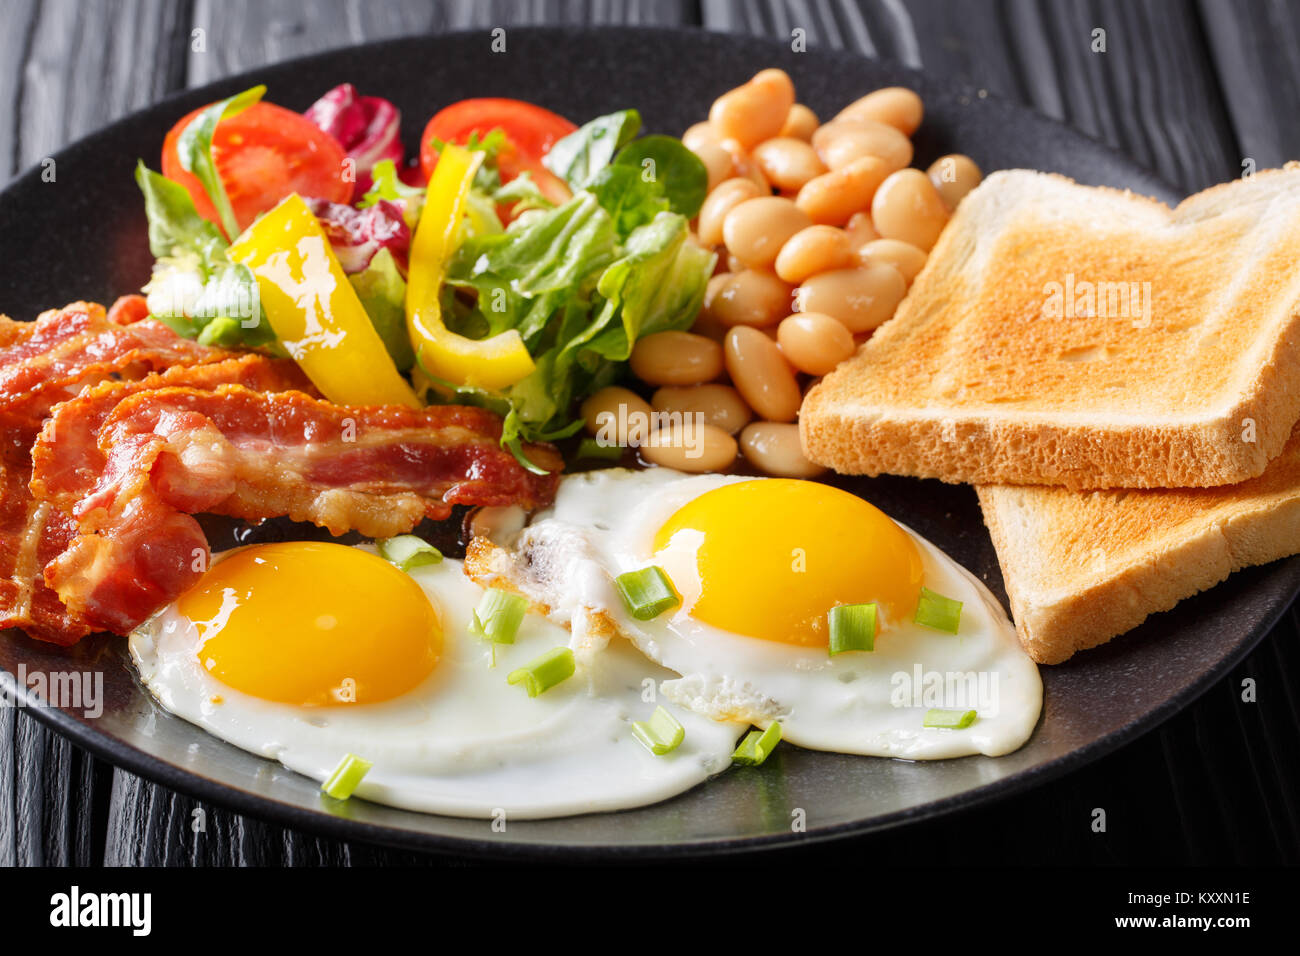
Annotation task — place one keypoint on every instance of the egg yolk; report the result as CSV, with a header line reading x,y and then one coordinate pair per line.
x,y
313,623
775,555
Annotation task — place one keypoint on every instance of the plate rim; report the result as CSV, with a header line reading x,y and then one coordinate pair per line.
x,y
121,754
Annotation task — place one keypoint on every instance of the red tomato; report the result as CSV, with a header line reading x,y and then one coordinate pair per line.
x,y
263,154
531,130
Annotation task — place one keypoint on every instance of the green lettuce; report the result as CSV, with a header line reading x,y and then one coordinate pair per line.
x,y
580,295
382,292
195,288
580,156
194,149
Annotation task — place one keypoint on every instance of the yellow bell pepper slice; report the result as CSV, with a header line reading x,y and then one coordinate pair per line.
x,y
493,363
314,310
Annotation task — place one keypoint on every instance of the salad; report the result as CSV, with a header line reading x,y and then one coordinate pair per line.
x,y
512,264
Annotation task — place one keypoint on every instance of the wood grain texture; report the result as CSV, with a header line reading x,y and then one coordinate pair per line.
x,y
1256,51
74,67
244,34
1147,95
1215,784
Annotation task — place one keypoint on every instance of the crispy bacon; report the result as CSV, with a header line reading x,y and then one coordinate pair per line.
x,y
34,532
67,461
128,309
173,452
52,359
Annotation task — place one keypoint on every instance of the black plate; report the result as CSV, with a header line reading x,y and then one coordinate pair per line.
x,y
83,236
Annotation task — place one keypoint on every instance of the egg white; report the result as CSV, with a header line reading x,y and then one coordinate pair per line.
x,y
464,742
874,703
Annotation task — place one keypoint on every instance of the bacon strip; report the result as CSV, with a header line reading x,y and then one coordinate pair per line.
x,y
173,452
52,359
47,361
32,533
128,309
67,461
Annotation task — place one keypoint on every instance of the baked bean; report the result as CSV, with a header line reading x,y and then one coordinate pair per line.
x,y
706,323
774,448
721,405
756,229
756,111
717,282
860,298
833,197
787,163
813,250
906,258
618,412
954,176
750,297
676,358
895,105
843,141
717,162
721,201
690,446
701,133
745,166
800,122
761,374
814,342
908,207
860,229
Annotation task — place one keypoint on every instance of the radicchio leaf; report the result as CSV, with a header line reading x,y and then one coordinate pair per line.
x,y
368,127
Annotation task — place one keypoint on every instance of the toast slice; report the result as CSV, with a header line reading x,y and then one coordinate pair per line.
x,y
1086,337
1081,568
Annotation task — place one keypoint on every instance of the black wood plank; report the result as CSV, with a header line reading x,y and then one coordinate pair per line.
x,y
77,66
19,22
1149,94
245,34
1256,50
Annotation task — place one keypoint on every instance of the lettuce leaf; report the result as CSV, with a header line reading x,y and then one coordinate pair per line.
x,y
174,224
382,291
578,157
194,150
578,297
667,167
194,284
387,184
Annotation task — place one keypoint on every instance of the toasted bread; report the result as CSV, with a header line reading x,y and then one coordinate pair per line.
x,y
1082,567
1183,369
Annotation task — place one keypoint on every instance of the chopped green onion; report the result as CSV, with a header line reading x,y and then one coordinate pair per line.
x,y
936,611
948,719
408,551
593,448
660,734
498,616
852,627
757,746
646,592
346,777
540,675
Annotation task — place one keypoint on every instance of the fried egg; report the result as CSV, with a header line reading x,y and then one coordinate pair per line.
x,y
304,652
758,564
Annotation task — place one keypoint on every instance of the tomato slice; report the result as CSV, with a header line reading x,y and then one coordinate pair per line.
x,y
531,130
263,154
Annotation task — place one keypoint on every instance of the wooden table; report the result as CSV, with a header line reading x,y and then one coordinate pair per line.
x,y
1191,89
